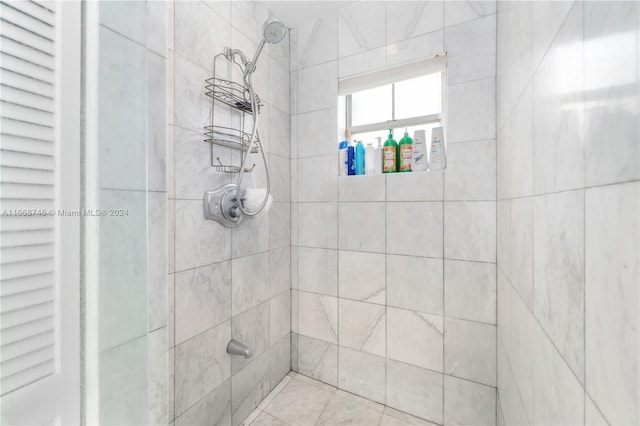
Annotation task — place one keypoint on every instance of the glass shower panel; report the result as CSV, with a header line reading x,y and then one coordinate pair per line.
x,y
121,170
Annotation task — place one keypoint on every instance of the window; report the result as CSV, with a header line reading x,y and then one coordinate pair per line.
x,y
411,97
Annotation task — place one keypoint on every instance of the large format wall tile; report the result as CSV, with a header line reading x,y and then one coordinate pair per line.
x,y
322,280
470,290
362,374
471,171
415,390
251,328
558,395
559,273
310,188
315,130
318,359
415,228
362,326
368,188
317,41
415,283
416,48
250,284
359,28
407,19
415,338
415,186
470,350
558,158
318,225
458,12
214,408
470,231
612,92
471,50
361,276
199,31
468,403
201,365
249,387
318,316
472,111
612,267
279,360
321,87
202,299
194,235
361,226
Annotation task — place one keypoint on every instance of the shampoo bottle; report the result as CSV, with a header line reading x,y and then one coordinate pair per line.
x,y
359,158
369,160
420,162
390,154
342,157
351,160
406,149
377,153
343,162
438,157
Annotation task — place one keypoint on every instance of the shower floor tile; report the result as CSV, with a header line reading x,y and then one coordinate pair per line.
x,y
302,401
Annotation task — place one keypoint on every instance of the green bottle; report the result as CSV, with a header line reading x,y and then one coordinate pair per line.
x,y
405,153
390,154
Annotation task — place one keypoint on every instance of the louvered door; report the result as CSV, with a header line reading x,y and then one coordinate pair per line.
x,y
39,175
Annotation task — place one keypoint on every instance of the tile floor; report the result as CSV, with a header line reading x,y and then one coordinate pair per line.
x,y
300,401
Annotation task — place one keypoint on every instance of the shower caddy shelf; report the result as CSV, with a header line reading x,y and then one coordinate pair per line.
x,y
237,97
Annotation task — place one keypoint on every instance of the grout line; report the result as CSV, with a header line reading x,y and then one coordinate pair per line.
x,y
585,188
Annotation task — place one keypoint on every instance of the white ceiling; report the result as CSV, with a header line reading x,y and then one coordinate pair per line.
x,y
294,13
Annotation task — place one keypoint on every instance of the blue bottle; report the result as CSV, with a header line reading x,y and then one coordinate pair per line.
x,y
360,158
342,158
351,161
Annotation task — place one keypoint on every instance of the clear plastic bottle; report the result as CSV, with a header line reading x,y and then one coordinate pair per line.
x,y
377,152
369,160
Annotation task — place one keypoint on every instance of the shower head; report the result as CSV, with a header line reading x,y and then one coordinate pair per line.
x,y
273,31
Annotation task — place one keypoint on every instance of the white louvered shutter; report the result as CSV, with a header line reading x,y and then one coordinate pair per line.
x,y
30,147
27,181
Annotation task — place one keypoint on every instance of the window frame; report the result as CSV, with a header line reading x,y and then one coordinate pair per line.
x,y
393,122
391,75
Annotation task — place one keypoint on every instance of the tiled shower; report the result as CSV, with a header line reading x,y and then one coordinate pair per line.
x,y
503,290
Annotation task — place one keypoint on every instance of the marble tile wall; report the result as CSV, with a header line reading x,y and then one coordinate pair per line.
x,y
394,277
567,215
224,283
132,174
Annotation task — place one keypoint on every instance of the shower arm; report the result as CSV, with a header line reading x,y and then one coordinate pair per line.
x,y
250,67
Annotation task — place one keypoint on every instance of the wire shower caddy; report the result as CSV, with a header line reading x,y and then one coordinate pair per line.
x,y
237,97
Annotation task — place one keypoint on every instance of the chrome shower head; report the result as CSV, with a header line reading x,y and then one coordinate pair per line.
x,y
273,31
